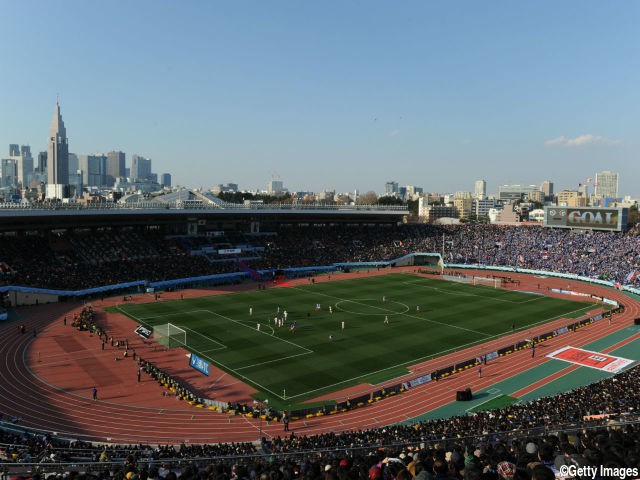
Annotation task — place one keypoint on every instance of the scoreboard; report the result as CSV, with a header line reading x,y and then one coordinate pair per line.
x,y
591,218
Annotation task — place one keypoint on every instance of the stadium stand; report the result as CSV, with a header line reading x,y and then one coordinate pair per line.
x,y
597,425
68,262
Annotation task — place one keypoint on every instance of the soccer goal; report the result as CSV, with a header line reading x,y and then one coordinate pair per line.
x,y
170,335
492,282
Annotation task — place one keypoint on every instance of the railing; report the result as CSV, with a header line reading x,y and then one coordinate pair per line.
x,y
151,205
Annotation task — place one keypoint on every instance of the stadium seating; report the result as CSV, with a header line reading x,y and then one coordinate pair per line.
x,y
575,428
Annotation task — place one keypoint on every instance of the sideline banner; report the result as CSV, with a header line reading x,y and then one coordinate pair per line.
x,y
199,364
144,332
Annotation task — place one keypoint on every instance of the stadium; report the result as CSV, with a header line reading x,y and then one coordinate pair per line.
x,y
225,340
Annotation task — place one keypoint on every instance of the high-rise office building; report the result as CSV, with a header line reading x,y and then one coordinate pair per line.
x,y
94,168
116,164
57,158
275,186
21,155
166,180
25,166
74,163
8,172
42,163
480,190
606,185
391,188
140,168
547,190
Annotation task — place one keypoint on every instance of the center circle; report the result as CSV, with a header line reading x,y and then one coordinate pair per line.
x,y
369,306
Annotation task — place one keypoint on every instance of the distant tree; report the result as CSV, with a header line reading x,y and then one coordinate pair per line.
x,y
413,207
235,197
369,198
389,200
633,217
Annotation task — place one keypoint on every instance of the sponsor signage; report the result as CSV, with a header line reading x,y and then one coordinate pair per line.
x,y
144,332
229,251
586,217
420,380
587,358
199,364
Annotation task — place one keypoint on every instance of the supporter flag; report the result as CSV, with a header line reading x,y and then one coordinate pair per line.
x,y
617,285
520,258
631,276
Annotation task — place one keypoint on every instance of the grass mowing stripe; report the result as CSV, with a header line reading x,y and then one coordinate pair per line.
x,y
306,363
383,311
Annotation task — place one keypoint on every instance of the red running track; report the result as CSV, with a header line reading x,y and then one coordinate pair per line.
x,y
128,412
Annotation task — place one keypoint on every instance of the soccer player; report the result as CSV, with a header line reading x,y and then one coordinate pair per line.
x,y
386,319
250,310
417,308
384,299
343,325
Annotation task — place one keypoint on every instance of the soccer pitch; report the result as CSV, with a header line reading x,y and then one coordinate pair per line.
x,y
300,364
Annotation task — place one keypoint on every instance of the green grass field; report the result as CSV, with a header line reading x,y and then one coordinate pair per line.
x,y
292,367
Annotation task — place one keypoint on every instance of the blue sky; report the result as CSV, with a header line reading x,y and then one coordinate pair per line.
x,y
333,94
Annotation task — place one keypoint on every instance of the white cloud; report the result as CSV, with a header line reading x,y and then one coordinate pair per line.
x,y
579,141
394,133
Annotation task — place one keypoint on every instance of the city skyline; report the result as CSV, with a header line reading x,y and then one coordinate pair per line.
x,y
335,96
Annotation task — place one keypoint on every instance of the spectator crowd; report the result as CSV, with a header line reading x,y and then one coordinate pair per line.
x,y
97,258
534,440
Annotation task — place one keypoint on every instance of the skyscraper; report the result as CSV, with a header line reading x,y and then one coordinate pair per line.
x,y
606,185
275,186
547,189
391,188
481,189
166,179
25,167
8,172
42,163
116,164
93,169
57,158
24,163
140,168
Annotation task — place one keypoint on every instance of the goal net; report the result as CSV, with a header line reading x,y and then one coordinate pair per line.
x,y
492,282
169,335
